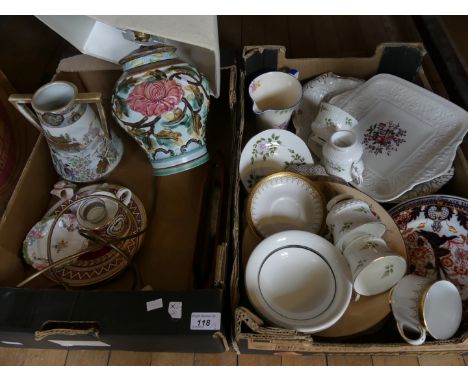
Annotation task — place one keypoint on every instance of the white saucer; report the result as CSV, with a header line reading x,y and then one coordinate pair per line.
x,y
298,280
271,151
285,201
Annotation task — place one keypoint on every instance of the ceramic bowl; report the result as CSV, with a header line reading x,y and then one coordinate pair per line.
x,y
285,201
298,280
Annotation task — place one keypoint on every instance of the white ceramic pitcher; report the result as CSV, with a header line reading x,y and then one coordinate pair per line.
x,y
275,96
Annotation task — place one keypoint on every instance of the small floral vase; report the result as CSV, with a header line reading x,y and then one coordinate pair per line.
x,y
163,104
82,147
342,156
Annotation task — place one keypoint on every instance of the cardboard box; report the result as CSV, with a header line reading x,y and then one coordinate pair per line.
x,y
183,259
250,333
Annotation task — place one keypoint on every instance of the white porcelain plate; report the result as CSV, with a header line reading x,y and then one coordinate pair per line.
x,y
271,151
409,134
298,280
285,201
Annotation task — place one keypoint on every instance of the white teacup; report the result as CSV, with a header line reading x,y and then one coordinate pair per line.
x,y
422,306
275,96
330,119
96,212
349,218
374,266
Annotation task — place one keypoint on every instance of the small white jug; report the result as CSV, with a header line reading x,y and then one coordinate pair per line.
x,y
275,96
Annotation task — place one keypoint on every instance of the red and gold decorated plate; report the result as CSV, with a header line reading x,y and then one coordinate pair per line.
x,y
98,266
435,230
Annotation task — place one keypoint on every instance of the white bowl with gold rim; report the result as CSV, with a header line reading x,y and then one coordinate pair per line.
x,y
285,201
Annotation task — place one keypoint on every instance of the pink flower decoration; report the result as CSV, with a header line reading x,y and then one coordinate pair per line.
x,y
155,98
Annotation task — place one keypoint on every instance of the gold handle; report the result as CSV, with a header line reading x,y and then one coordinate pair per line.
x,y
19,101
95,98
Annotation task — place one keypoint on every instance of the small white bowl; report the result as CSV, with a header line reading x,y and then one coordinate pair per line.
x,y
285,201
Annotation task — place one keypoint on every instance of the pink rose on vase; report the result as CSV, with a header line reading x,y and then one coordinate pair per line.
x,y
155,98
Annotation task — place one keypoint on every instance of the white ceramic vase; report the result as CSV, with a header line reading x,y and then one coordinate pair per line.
x,y
342,156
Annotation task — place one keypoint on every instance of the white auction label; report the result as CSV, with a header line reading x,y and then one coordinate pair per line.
x,y
205,321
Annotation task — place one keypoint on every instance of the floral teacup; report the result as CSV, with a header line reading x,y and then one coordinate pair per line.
x,y
374,266
330,119
349,218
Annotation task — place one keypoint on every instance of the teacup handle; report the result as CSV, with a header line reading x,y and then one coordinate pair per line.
x,y
416,342
95,98
337,199
124,195
19,101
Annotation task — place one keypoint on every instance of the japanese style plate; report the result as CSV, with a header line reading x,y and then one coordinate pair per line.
x,y
98,266
435,230
410,135
65,241
271,151
285,201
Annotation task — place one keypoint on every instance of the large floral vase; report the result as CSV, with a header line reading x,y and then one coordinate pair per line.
x,y
163,104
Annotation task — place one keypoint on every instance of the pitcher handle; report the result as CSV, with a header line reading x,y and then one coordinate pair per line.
x,y
19,101
95,98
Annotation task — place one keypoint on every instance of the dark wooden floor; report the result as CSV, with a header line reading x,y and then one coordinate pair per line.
x,y
31,57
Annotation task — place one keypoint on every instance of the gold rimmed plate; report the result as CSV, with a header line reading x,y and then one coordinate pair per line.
x,y
285,201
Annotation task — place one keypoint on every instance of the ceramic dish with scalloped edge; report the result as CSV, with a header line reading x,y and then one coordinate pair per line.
x,y
320,88
285,201
409,134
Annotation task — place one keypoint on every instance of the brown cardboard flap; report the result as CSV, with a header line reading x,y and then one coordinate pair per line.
x,y
85,63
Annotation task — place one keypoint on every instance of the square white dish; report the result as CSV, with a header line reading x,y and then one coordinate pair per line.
x,y
409,134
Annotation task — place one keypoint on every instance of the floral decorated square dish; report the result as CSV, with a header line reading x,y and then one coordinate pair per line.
x,y
271,151
409,134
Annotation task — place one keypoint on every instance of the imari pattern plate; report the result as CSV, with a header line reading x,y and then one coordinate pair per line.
x,y
435,230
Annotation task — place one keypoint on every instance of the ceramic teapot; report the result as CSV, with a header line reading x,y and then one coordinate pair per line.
x,y
81,145
163,104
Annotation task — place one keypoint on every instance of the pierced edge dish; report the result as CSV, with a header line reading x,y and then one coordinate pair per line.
x,y
428,162
321,88
266,180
